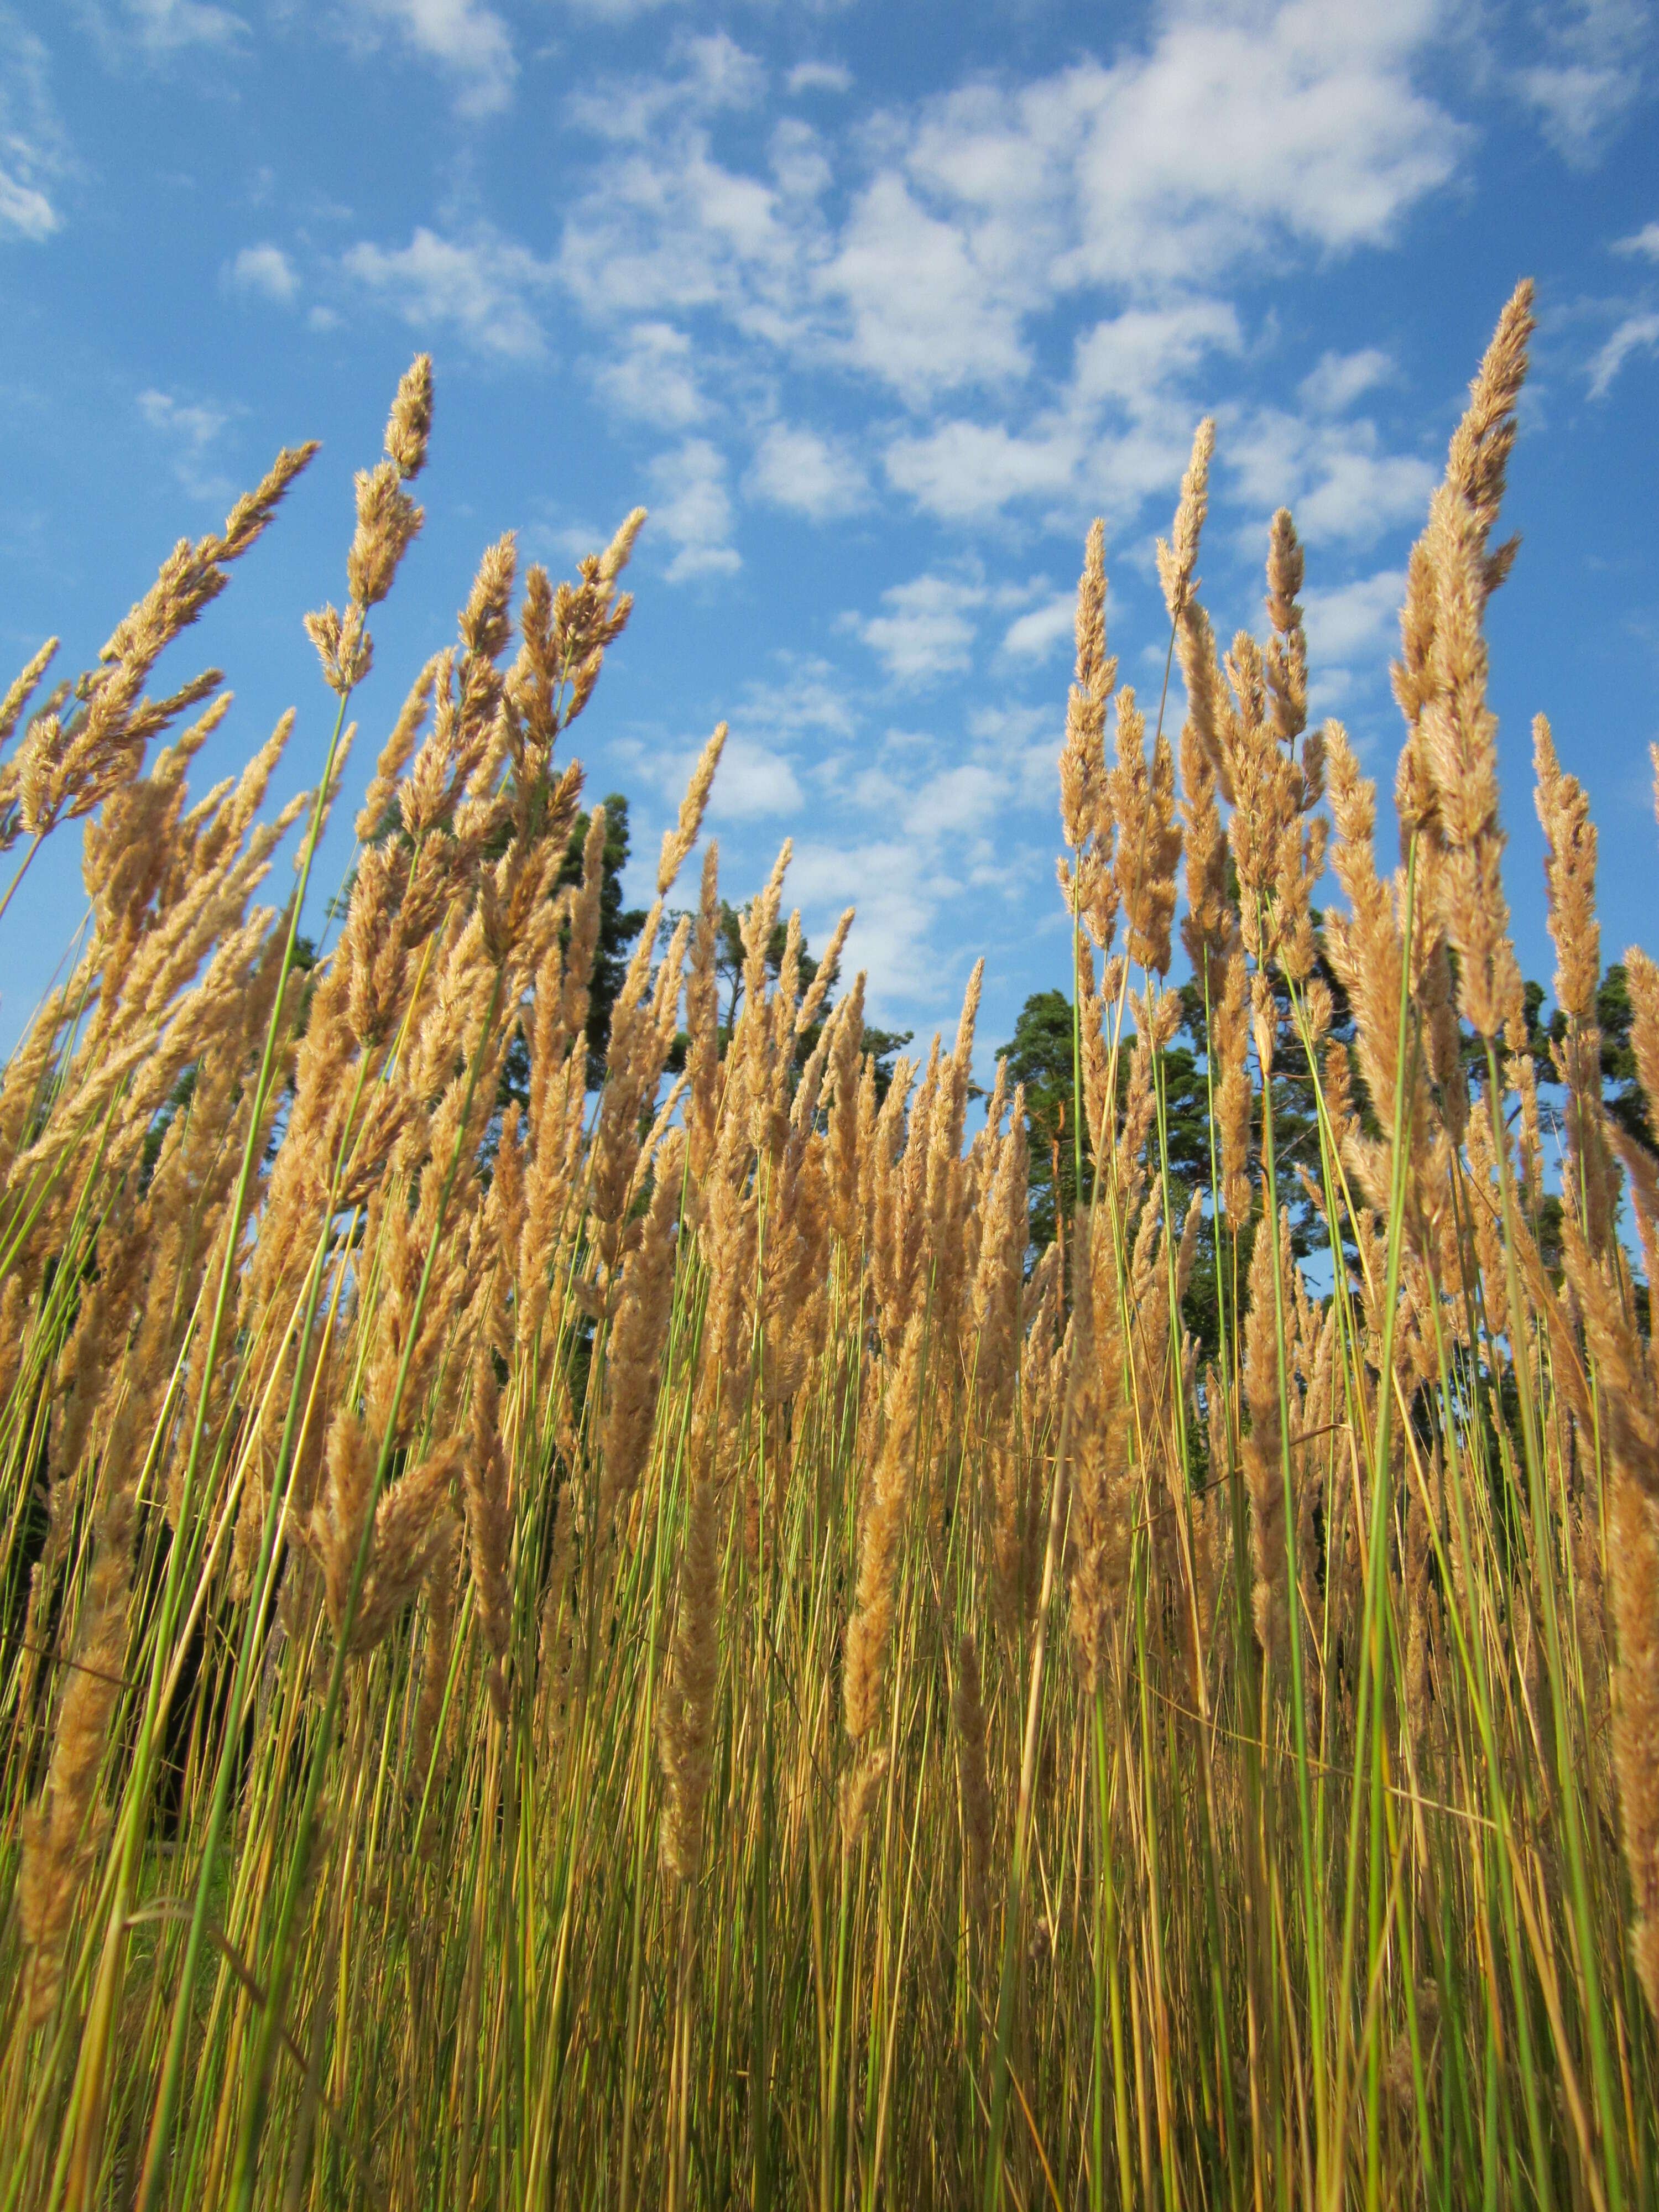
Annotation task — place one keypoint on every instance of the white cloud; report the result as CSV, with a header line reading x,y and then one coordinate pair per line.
x,y
1033,637
898,891
957,799
263,272
463,37
693,508
1643,241
1334,477
1132,357
963,470
1637,333
930,255
653,378
819,77
1592,76
796,468
925,315
1353,621
927,631
190,429
483,287
1337,379
755,780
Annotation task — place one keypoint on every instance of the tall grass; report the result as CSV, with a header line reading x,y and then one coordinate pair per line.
x,y
623,1648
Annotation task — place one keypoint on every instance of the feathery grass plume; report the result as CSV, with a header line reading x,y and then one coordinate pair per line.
x,y
395,753
639,1334
61,1830
864,1664
1633,1570
685,1724
1177,557
1005,1229
1086,815
567,630
1208,927
486,1488
1285,662
677,841
23,688
1366,954
1623,1370
403,1375
1230,1045
844,1084
413,1532
436,1651
1459,735
968,1712
945,1182
1569,877
65,768
643,1027
702,1023
1261,1448
1098,1442
1142,802
829,970
388,523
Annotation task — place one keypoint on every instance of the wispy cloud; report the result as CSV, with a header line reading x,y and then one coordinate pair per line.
x,y
1337,379
819,77
190,430
1591,75
692,507
164,26
33,150
467,39
1638,333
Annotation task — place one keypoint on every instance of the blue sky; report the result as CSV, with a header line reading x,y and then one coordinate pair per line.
x,y
874,307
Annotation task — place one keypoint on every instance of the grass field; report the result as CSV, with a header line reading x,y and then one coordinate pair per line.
x,y
638,1647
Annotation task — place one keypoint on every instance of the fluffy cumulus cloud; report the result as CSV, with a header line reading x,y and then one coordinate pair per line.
x,y
1354,625
799,469
926,629
1034,635
930,258
263,272
483,286
652,377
